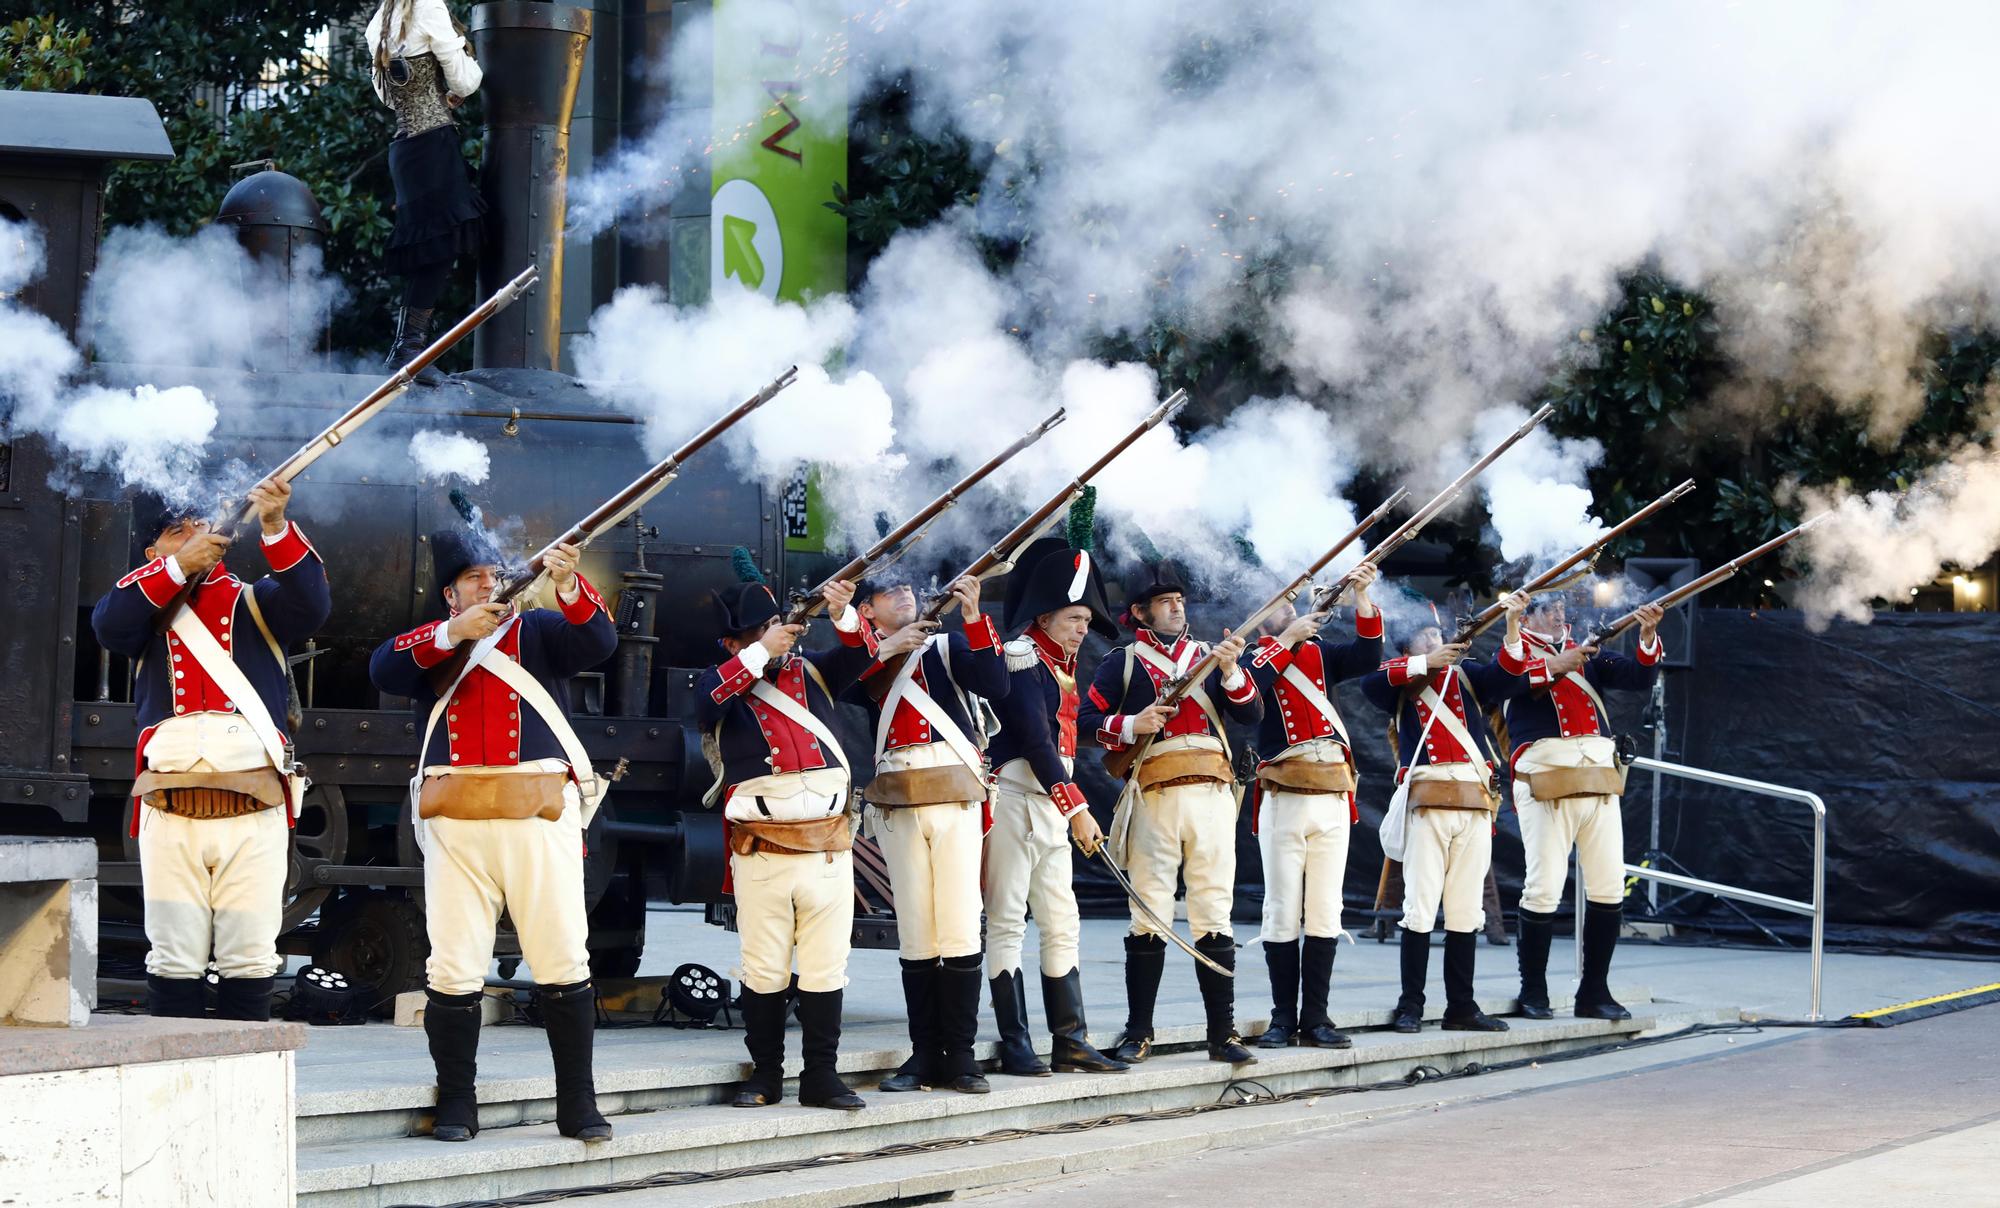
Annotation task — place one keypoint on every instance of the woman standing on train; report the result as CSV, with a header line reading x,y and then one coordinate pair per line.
x,y
424,69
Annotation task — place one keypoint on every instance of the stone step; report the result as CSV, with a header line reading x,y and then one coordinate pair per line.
x,y
527,1157
652,1068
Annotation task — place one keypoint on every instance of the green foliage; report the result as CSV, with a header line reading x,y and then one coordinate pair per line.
x,y
237,82
898,178
42,54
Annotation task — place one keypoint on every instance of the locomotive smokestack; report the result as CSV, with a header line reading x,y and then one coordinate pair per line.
x,y
533,57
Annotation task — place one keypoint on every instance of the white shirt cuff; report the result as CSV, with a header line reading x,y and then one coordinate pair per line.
x,y
440,636
1652,647
274,538
1416,666
849,621
174,571
1233,682
754,657
575,590
1126,734
1515,650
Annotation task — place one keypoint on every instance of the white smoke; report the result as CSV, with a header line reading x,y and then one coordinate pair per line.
x,y
1535,492
145,437
445,455
1880,545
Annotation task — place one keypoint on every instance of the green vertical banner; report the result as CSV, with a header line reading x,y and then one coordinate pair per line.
x,y
780,155
780,148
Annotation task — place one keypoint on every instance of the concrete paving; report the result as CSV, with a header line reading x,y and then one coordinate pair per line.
x,y
1836,1117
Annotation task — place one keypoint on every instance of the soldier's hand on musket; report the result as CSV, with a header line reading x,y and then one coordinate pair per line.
x,y
1568,660
1084,829
477,622
1360,579
904,640
1514,604
838,595
1227,651
269,498
779,639
1445,656
200,552
965,589
560,563
1152,719
1302,629
1649,622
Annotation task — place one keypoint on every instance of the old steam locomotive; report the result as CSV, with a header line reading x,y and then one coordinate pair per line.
x,y
354,895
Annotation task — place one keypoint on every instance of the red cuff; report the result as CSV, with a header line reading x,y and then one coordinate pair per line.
x,y
290,549
1368,627
1269,652
1243,694
1538,672
1398,671
981,634
1111,734
1069,799
421,643
1658,652
586,605
1510,663
735,678
153,579
865,636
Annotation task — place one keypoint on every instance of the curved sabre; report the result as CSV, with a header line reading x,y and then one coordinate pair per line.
x,y
1165,927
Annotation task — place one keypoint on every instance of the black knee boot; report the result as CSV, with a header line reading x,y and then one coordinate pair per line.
x,y
1601,924
1538,932
819,1046
1416,961
1282,960
413,335
451,1025
244,998
1010,1011
1315,984
1461,1007
569,1014
176,997
1218,1000
920,997
1145,962
958,982
764,1037
1071,1051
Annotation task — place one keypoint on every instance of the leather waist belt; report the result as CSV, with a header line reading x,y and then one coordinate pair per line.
x,y
205,803
791,838
1170,768
952,784
1450,795
261,785
471,797
1308,776
1554,784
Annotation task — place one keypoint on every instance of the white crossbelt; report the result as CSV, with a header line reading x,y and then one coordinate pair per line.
x,y
221,668
1444,716
1303,684
905,689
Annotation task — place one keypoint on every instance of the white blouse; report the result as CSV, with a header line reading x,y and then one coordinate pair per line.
x,y
427,29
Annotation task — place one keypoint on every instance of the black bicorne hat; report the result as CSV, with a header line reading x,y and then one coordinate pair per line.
x,y
1154,578
882,579
152,515
455,551
747,604
1050,576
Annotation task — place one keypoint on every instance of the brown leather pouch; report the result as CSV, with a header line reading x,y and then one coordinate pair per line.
x,y
790,838
1184,767
953,784
1450,795
260,784
1307,776
204,802
471,797
1554,784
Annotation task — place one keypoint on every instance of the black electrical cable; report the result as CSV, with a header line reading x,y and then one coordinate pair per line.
x,y
1234,1095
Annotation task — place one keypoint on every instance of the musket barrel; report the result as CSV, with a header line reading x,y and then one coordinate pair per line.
x,y
1701,584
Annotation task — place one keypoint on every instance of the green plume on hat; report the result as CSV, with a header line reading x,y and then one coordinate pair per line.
x,y
745,566
1080,529
1245,550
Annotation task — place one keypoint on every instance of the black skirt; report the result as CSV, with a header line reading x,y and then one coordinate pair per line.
x,y
438,213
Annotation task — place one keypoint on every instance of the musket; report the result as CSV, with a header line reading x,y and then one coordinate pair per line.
x,y
611,512
1439,502
1121,763
895,543
1554,576
999,558
235,516
1689,590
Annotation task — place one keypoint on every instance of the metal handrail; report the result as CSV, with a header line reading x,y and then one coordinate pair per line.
x,y
1815,908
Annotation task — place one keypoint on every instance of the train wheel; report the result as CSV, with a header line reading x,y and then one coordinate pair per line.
x,y
321,833
375,939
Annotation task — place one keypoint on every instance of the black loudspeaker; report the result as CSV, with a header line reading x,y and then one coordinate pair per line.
x,y
1653,577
